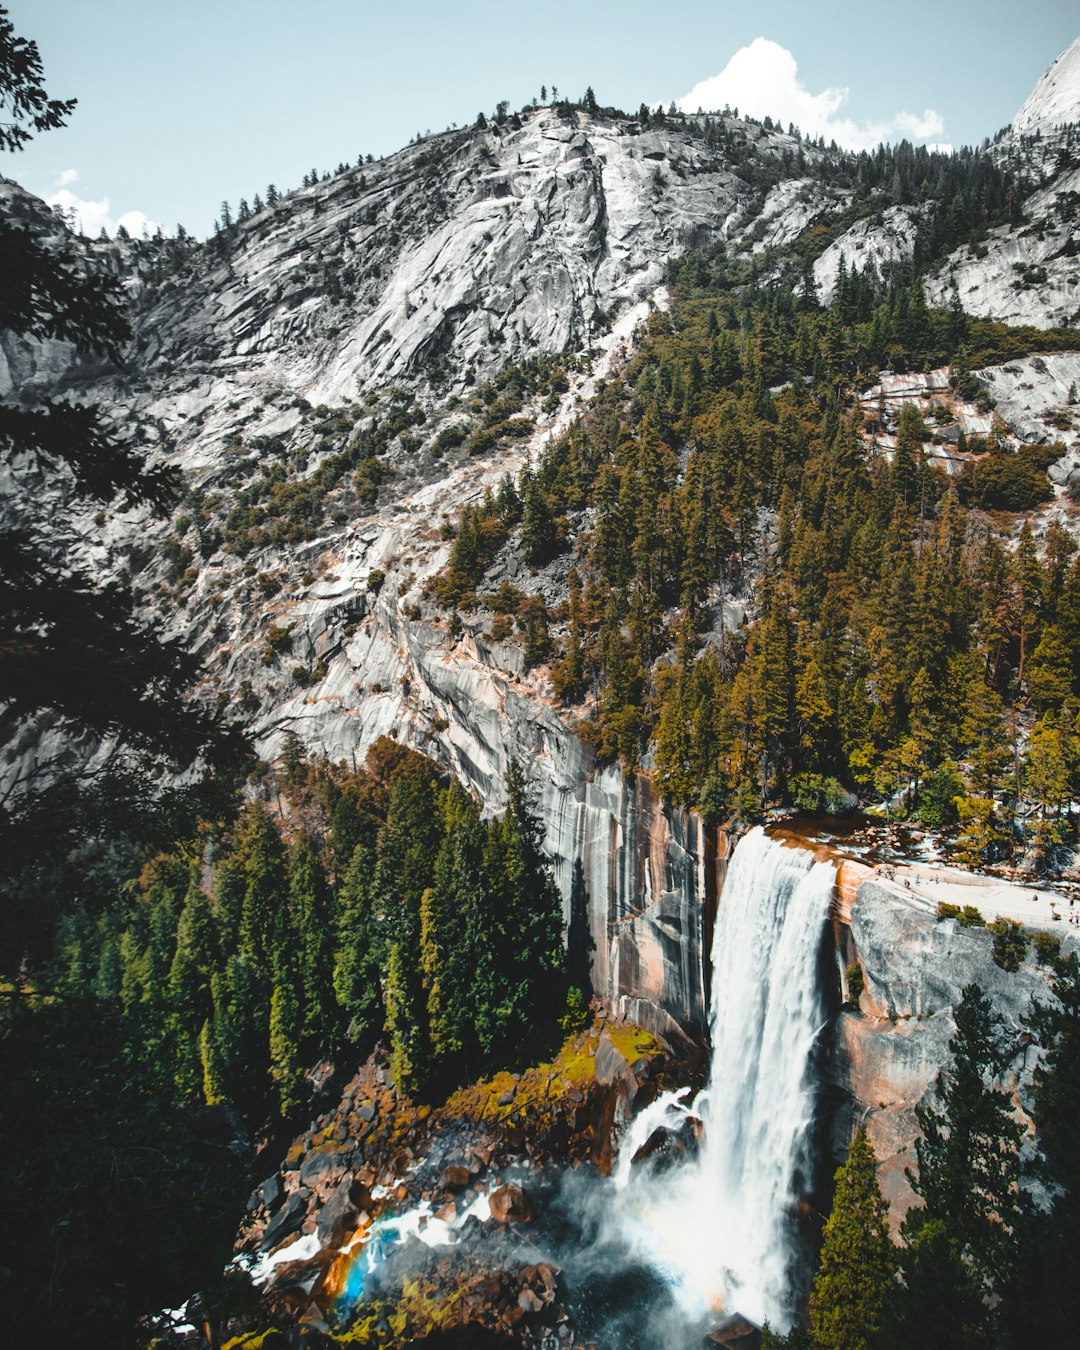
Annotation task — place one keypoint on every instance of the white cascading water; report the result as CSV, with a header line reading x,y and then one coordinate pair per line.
x,y
721,1228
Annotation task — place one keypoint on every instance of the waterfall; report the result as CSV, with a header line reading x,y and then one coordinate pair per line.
x,y
766,1013
722,1230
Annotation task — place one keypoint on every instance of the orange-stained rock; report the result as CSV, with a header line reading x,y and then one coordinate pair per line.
x,y
850,875
510,1204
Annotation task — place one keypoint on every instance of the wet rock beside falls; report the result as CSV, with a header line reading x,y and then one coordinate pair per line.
x,y
665,1148
510,1204
886,1059
491,1149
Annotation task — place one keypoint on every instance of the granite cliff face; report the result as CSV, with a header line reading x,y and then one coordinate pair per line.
x,y
885,1057
1025,272
407,284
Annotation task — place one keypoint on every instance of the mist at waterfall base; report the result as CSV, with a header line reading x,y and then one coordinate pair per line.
x,y
663,1249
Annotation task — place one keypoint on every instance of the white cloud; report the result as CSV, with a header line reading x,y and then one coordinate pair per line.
x,y
763,80
93,216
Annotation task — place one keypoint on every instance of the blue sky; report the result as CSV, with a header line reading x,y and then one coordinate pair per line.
x,y
184,105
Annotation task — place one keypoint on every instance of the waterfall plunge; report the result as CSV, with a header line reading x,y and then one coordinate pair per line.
x,y
721,1228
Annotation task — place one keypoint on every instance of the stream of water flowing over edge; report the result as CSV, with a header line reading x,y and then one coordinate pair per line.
x,y
721,1227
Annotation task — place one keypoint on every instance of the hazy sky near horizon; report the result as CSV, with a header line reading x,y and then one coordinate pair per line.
x,y
183,106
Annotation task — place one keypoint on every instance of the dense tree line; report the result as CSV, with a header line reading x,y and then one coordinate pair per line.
x,y
387,905
898,643
985,1259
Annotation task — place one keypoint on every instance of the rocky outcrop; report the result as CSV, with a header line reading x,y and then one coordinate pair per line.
x,y
391,1200
1055,100
879,241
1026,273
886,1057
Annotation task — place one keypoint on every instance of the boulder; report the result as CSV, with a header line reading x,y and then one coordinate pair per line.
x,y
341,1213
322,1167
271,1192
510,1204
738,1334
528,1302
612,1069
456,1177
541,1280
285,1222
665,1147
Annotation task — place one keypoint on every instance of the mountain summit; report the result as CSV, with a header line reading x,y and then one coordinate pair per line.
x,y
1055,100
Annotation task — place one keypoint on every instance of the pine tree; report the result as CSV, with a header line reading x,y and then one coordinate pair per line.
x,y
264,936
814,714
1042,1303
406,853
537,639
1049,673
196,957
309,903
407,1059
519,979
858,1259
962,1239
284,1031
538,537
453,930
214,1085
358,950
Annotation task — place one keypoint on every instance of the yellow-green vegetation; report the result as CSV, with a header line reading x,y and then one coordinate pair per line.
x,y
633,1042
967,916
537,1092
253,1340
423,1307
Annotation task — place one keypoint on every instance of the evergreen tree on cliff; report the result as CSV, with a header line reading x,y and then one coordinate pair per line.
x,y
519,976
1043,1305
858,1259
961,1243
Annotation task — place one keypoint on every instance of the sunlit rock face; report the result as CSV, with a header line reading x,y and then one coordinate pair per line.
x,y
474,246
1055,100
887,1057
1028,272
1023,273
471,249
